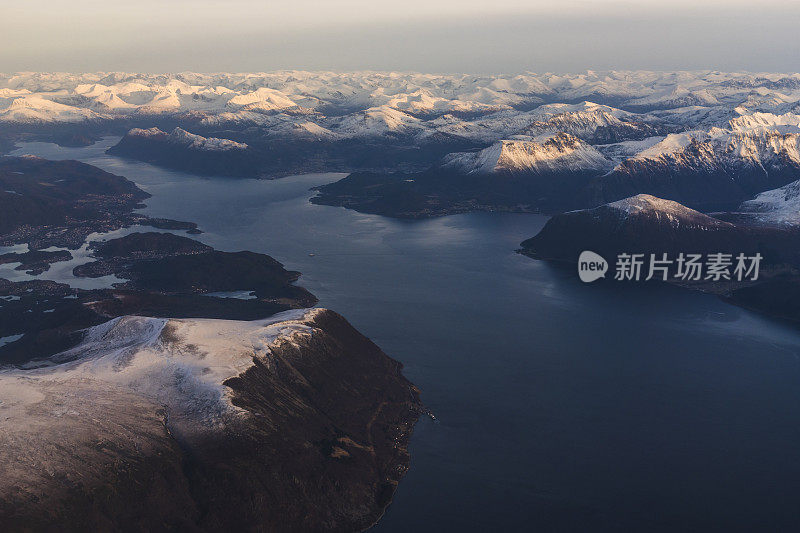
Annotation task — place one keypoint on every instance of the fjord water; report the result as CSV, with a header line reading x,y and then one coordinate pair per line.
x,y
560,406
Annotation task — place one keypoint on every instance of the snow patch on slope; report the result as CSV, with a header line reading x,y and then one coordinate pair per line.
x,y
262,99
676,214
378,122
756,146
189,140
181,364
779,207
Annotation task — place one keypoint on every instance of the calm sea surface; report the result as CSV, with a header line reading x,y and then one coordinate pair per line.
x,y
559,406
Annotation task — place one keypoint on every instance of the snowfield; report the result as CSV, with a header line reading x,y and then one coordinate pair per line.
x,y
779,207
180,364
675,213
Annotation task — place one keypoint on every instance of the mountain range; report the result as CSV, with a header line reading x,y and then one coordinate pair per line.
x,y
710,140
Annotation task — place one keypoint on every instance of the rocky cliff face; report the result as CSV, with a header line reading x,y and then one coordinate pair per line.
x,y
294,423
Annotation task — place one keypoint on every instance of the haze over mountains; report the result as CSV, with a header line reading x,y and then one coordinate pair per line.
x,y
707,98
443,36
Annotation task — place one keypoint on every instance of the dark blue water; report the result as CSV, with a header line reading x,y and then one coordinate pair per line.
x,y
560,406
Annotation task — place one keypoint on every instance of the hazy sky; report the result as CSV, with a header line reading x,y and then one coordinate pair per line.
x,y
487,36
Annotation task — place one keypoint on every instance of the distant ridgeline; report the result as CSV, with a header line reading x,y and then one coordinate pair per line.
x,y
426,145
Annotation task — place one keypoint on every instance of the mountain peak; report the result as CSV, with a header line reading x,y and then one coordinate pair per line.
x,y
544,154
647,205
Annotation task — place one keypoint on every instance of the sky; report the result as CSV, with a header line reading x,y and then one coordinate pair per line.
x,y
482,37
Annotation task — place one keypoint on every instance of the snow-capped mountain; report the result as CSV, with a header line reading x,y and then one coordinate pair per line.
x,y
645,224
784,123
672,213
37,110
205,410
663,234
423,95
262,99
712,169
708,139
676,97
187,140
547,154
378,122
780,207
595,123
188,151
190,385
